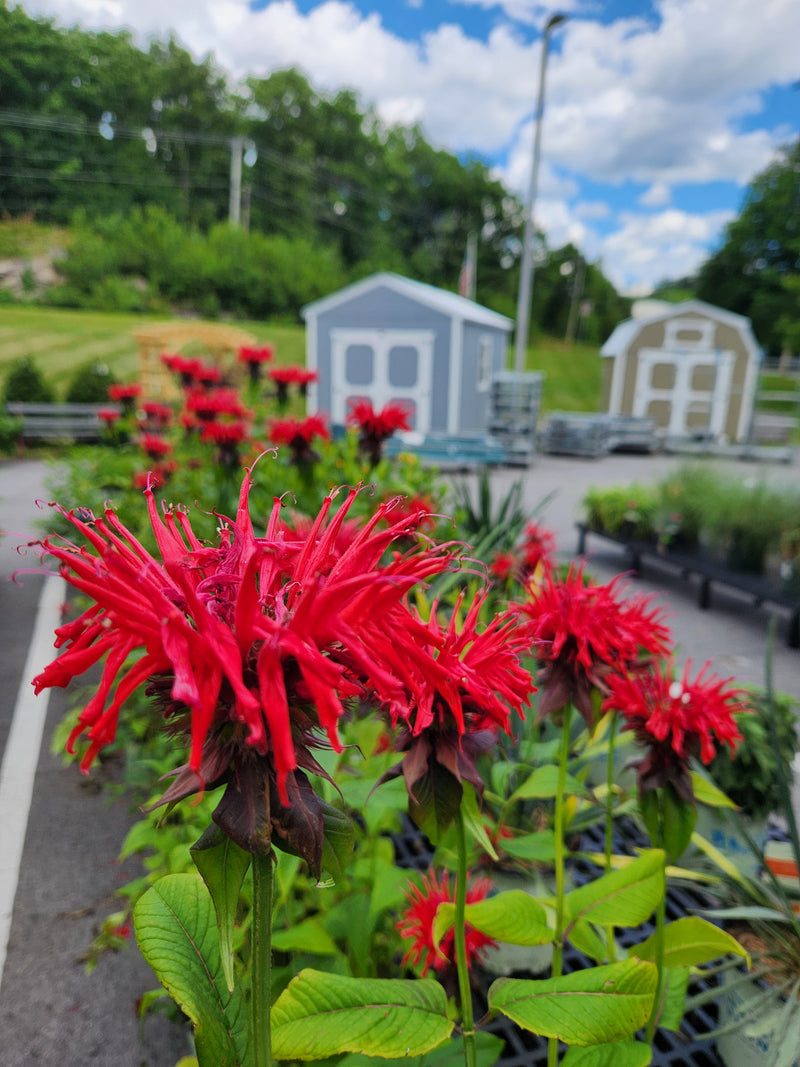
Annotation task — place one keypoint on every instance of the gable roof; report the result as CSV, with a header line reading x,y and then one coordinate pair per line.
x,y
448,303
623,334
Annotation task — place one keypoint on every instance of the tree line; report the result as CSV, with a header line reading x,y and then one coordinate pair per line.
x,y
100,135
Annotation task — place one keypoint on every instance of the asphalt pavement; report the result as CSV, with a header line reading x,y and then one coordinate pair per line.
x,y
51,1012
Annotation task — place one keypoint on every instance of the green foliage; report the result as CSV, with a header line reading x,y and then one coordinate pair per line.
x,y
755,270
341,194
737,521
623,510
9,433
750,776
177,935
320,1014
89,384
26,383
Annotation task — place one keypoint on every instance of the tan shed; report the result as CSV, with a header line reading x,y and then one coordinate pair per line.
x,y
691,366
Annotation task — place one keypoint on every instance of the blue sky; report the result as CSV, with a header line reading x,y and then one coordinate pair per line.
x,y
658,115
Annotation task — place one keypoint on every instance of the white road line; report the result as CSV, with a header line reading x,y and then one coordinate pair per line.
x,y
21,757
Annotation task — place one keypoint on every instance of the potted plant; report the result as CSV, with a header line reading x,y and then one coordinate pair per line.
x,y
759,1012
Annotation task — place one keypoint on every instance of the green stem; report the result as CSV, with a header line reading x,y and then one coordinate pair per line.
x,y
558,830
261,961
656,1012
661,912
609,836
459,932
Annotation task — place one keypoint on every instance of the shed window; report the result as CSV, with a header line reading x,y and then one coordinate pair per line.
x,y
485,352
359,366
403,366
663,376
703,377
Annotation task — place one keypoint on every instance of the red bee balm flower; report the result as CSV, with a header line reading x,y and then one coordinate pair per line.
x,y
375,426
581,631
416,925
249,646
676,719
464,683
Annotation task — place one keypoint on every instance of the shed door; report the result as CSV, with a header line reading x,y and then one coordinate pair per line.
x,y
686,392
382,365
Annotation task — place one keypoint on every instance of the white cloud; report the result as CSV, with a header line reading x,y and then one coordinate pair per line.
x,y
648,249
658,195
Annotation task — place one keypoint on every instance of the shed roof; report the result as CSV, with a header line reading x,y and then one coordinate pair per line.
x,y
626,331
448,303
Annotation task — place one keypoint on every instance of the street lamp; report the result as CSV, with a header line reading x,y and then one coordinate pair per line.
x,y
526,267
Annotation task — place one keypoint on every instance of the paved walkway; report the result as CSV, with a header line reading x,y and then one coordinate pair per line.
x,y
51,1014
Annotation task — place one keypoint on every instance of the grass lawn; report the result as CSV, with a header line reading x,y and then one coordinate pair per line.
x,y
61,340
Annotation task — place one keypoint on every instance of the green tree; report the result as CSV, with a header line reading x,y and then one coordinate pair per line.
x,y
755,271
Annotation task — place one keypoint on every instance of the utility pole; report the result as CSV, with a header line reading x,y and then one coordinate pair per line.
x,y
577,295
235,198
526,267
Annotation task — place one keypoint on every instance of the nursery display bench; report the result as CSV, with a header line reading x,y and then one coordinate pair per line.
x,y
59,422
710,572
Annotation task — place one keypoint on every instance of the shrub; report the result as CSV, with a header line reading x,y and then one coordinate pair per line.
x,y
25,383
750,777
89,384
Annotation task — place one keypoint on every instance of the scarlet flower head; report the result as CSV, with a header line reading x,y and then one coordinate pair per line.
x,y
464,683
504,565
298,434
109,415
256,354
250,647
214,405
224,433
580,631
537,548
416,925
157,415
381,424
124,394
374,427
676,719
291,431
291,374
155,446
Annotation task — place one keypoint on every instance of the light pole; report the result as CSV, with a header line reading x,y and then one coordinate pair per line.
x,y
526,267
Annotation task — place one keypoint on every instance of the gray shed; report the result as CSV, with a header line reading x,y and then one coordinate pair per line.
x,y
690,366
390,338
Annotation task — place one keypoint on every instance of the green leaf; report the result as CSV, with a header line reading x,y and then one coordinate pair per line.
x,y
306,936
587,940
489,1048
690,941
473,821
625,897
590,1007
177,935
706,792
679,819
320,1014
616,1054
222,865
539,846
514,917
543,782
437,798
338,842
676,981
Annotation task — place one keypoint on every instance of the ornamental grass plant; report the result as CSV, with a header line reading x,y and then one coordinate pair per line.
x,y
321,668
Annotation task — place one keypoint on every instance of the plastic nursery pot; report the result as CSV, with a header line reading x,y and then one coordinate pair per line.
x,y
723,830
759,1013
